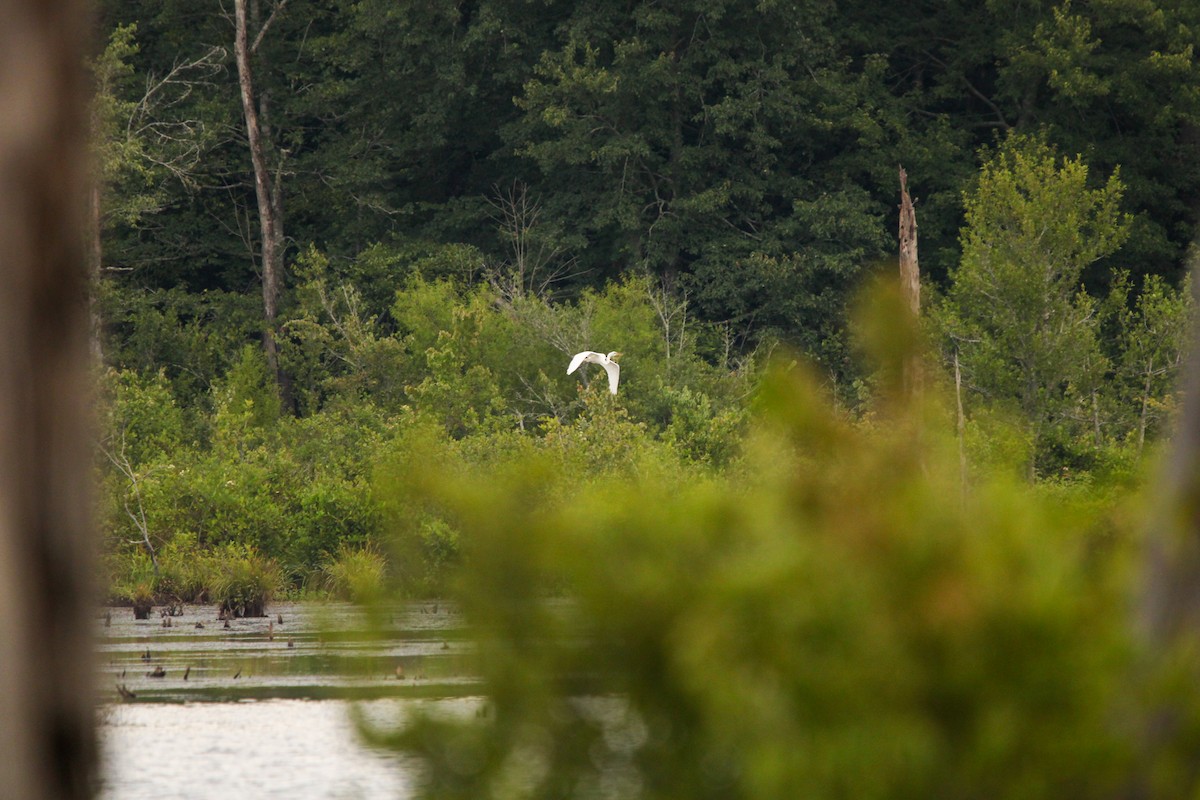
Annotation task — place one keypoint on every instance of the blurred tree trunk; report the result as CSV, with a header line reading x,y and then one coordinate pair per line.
x,y
1171,592
1169,607
47,728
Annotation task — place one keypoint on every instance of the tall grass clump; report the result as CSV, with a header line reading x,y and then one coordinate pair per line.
x,y
355,573
243,581
135,582
129,579
184,571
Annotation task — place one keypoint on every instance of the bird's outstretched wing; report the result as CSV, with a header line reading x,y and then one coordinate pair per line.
x,y
586,355
614,374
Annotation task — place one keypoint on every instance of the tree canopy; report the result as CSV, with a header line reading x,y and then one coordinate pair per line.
x,y
468,193
744,152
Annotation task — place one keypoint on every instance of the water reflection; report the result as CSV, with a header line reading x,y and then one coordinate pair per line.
x,y
260,709
302,650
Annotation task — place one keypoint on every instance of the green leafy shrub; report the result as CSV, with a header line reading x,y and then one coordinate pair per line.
x,y
1026,335
192,336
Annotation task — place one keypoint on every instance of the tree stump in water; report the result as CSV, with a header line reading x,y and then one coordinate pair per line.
x,y
247,608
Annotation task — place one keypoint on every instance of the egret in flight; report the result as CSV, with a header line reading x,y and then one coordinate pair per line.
x,y
609,362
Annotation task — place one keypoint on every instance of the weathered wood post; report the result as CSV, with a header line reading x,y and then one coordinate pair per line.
x,y
47,747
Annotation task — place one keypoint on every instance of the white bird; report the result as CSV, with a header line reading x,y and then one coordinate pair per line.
x,y
609,362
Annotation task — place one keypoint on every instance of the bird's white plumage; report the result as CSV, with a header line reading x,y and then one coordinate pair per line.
x,y
609,362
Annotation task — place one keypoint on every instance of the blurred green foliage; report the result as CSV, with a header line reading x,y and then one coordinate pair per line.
x,y
845,614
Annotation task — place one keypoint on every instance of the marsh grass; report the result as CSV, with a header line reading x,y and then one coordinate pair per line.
x,y
355,573
133,581
243,581
185,573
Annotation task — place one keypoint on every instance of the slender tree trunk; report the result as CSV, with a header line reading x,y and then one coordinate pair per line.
x,y
1031,406
47,724
95,265
961,426
270,225
1145,408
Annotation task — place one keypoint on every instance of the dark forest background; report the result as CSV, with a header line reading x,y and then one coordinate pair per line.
x,y
454,197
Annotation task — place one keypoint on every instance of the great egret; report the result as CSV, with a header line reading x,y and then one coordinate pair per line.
x,y
609,362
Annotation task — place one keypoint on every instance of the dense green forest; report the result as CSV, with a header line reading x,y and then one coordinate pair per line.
x,y
325,232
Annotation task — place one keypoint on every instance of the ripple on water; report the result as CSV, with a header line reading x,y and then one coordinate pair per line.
x,y
272,748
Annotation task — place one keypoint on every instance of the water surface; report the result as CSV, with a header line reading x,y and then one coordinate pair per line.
x,y
195,710
251,749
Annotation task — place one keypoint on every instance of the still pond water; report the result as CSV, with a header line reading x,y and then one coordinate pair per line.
x,y
261,709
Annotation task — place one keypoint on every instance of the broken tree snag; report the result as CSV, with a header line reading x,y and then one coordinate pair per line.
x,y
910,271
910,279
47,719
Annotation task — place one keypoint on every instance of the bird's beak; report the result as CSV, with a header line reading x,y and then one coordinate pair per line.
x,y
616,356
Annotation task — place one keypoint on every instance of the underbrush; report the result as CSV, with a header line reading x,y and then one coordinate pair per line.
x,y
239,579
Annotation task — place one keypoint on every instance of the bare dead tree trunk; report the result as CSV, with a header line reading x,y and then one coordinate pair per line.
x,y
95,264
47,728
910,278
673,316
270,223
910,271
